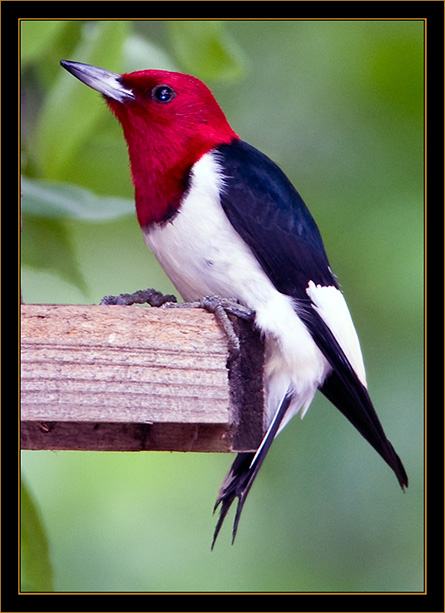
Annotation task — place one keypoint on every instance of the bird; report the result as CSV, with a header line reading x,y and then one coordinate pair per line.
x,y
224,220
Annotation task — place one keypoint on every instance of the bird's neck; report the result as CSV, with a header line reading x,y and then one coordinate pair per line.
x,y
160,171
160,180
159,189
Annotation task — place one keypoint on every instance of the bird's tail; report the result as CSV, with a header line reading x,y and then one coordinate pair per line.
x,y
242,473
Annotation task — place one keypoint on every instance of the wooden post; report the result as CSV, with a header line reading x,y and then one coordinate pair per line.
x,y
137,378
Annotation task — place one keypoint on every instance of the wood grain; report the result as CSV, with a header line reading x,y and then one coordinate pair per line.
x,y
137,378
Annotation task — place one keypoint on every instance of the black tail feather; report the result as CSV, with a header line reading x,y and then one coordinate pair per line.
x,y
344,389
242,473
356,405
233,487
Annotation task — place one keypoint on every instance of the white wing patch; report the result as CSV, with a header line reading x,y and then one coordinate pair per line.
x,y
331,306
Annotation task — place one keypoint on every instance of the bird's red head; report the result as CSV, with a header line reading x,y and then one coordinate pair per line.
x,y
169,121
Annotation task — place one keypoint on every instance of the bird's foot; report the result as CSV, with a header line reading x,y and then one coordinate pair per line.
x,y
142,296
221,308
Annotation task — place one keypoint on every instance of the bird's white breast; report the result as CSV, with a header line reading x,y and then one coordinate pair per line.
x,y
199,249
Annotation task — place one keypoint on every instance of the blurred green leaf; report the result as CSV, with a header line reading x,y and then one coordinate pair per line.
x,y
36,36
141,54
206,49
36,568
46,245
70,111
101,163
61,200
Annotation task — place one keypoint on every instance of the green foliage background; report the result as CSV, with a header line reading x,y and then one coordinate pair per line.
x,y
339,105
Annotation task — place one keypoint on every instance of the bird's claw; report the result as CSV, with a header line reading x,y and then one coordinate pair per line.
x,y
221,307
229,305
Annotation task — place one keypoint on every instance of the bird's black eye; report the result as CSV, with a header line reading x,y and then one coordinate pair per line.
x,y
163,94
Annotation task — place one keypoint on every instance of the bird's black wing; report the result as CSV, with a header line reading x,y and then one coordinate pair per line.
x,y
271,217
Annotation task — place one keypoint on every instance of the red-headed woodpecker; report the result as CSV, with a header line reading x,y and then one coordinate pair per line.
x,y
223,219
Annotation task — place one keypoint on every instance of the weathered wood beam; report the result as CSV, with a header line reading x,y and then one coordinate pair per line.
x,y
137,378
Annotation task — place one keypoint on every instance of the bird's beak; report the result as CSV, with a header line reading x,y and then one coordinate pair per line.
x,y
103,81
